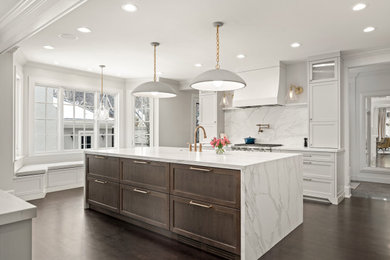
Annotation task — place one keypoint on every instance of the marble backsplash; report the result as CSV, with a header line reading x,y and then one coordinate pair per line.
x,y
288,124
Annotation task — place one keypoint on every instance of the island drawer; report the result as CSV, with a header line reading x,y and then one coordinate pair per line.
x,y
103,166
103,193
145,174
214,185
318,169
208,223
145,205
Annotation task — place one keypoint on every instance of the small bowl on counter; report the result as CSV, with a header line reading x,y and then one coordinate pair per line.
x,y
249,140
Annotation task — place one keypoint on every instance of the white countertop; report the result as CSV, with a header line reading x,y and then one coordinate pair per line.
x,y
230,160
14,209
307,149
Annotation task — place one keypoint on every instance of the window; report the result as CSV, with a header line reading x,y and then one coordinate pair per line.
x,y
142,121
107,127
45,119
78,119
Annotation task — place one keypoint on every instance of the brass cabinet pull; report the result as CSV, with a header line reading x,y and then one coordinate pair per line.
x,y
140,191
140,162
200,205
307,179
200,169
99,157
101,182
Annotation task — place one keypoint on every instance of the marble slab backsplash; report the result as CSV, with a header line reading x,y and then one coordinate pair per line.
x,y
288,124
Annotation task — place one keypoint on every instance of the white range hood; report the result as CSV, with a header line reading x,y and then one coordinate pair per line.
x,y
264,87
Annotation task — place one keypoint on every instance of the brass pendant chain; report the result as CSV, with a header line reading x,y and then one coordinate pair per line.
x,y
217,59
101,78
155,78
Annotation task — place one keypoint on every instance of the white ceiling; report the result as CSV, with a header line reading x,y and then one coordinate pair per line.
x,y
261,29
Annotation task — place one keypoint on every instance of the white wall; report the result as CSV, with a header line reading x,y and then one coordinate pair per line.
x,y
296,74
6,127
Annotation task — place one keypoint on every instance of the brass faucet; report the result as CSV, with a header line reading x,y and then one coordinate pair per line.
x,y
204,136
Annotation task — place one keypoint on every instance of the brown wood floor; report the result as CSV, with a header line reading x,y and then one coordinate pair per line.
x,y
356,229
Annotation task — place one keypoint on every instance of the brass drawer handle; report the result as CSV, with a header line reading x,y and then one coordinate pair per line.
x,y
140,191
200,169
307,179
140,162
99,157
101,182
201,205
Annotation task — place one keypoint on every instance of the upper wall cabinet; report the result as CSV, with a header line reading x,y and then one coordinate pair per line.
x,y
323,70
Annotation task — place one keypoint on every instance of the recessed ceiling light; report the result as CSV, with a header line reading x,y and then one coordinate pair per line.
x,y
159,73
240,56
369,29
48,47
89,69
295,45
68,36
129,8
198,65
359,7
84,29
56,62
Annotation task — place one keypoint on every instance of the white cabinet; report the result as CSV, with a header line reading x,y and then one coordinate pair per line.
x,y
324,103
211,116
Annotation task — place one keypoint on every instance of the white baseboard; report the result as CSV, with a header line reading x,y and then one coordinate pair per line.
x,y
65,187
32,196
347,191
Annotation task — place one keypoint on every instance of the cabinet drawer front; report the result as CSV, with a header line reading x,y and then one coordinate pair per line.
x,y
318,169
104,166
146,174
145,205
319,157
317,188
215,185
208,223
103,193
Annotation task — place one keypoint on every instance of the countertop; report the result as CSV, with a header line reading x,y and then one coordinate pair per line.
x,y
14,209
229,160
307,149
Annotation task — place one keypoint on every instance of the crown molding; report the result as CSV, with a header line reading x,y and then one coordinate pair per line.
x,y
21,21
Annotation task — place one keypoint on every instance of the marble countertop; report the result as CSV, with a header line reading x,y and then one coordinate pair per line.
x,y
14,209
229,160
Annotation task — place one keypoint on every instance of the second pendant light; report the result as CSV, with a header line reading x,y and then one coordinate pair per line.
x,y
154,89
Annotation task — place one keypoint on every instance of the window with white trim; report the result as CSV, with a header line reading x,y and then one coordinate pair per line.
x,y
143,107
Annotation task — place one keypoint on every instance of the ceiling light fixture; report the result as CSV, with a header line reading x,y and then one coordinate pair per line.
x,y
84,29
359,7
295,45
48,47
68,36
198,65
154,89
129,8
369,29
240,56
218,79
103,110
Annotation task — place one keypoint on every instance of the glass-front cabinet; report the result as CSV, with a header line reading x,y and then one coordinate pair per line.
x,y
324,70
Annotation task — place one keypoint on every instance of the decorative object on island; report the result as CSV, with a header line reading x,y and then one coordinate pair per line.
x,y
219,144
294,92
103,110
154,89
218,79
249,140
262,126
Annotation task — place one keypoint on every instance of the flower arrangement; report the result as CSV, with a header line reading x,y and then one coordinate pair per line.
x,y
219,144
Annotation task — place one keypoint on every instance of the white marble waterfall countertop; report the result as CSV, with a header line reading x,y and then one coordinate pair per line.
x,y
230,160
14,209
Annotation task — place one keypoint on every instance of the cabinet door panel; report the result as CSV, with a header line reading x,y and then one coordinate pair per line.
x,y
103,193
318,169
145,205
324,70
146,174
211,224
103,166
220,186
208,108
317,188
323,135
324,102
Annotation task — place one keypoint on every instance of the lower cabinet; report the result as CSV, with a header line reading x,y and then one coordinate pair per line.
x,y
145,205
208,223
103,193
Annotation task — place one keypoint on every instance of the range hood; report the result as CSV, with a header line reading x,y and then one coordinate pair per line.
x,y
264,87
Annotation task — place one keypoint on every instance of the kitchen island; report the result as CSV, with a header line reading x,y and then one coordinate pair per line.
x,y
236,205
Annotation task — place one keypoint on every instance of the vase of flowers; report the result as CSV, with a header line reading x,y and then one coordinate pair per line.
x,y
219,144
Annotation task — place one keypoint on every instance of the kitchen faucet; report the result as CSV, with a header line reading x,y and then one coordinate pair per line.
x,y
204,136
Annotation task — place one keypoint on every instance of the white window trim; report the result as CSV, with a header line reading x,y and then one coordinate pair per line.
x,y
18,115
32,82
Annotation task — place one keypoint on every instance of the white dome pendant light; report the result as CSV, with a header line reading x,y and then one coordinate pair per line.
x,y
154,89
218,79
102,111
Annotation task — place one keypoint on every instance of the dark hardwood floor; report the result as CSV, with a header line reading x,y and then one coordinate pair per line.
x,y
356,229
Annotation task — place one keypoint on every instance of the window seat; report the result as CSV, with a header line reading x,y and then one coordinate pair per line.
x,y
36,169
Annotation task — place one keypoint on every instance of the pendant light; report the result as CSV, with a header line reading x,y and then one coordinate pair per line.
x,y
102,111
218,79
154,89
